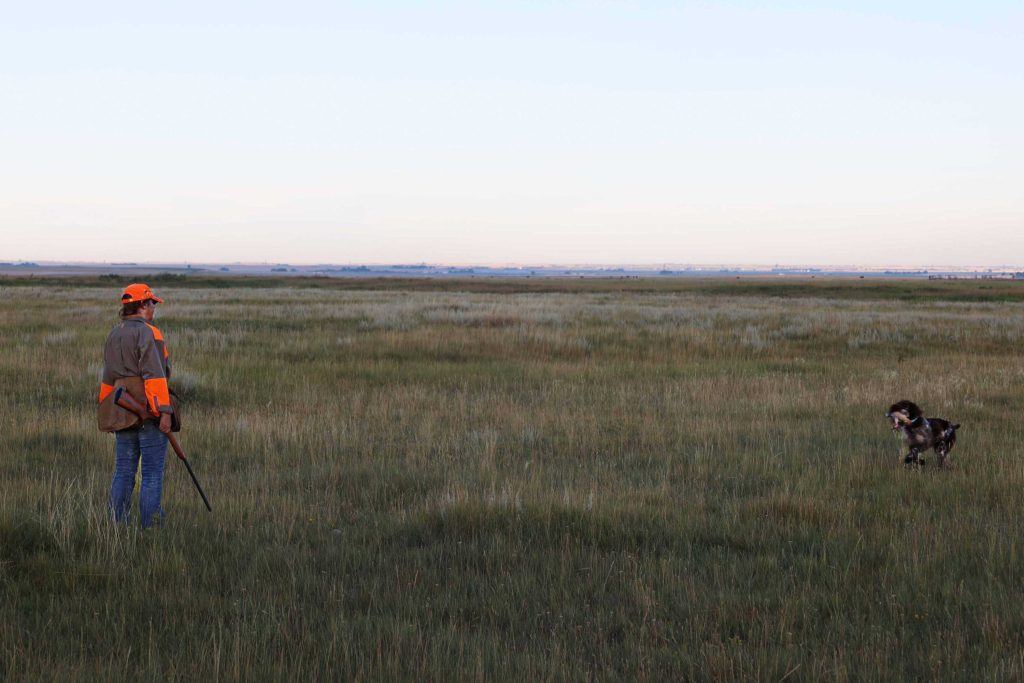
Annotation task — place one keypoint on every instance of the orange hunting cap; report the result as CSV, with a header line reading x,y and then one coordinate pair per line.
x,y
139,292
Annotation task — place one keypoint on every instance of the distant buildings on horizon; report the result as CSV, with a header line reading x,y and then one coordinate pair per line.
x,y
433,270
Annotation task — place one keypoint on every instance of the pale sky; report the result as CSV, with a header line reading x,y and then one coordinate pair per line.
x,y
862,133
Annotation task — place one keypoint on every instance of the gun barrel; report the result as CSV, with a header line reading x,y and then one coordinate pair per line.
x,y
125,400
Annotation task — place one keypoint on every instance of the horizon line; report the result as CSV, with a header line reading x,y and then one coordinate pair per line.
x,y
664,265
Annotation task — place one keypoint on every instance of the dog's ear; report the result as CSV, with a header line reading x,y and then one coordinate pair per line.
x,y
908,407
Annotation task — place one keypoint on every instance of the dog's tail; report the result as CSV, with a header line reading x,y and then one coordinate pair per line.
x,y
954,427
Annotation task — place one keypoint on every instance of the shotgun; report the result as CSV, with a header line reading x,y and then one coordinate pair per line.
x,y
125,400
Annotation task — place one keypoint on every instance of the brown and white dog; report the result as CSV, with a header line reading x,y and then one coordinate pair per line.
x,y
921,433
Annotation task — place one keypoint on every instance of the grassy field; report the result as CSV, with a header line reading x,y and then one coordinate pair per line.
x,y
533,480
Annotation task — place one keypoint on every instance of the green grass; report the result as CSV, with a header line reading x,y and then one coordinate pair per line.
x,y
539,479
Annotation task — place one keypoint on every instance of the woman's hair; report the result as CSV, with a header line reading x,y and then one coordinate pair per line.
x,y
131,308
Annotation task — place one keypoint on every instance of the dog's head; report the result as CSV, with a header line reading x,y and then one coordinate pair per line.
x,y
903,414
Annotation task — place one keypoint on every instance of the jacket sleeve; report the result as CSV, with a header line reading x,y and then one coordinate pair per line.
x,y
106,386
151,366
107,378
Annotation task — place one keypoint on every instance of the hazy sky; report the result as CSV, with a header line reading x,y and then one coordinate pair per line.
x,y
862,133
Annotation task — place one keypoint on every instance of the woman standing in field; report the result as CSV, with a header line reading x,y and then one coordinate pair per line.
x,y
136,358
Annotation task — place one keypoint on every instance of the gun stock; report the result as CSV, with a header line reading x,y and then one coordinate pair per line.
x,y
125,400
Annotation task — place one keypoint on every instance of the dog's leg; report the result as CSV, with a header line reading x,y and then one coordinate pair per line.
x,y
913,457
943,452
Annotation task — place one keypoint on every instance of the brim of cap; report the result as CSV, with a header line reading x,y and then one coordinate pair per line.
x,y
157,299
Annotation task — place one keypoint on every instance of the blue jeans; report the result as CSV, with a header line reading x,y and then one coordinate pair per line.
x,y
149,443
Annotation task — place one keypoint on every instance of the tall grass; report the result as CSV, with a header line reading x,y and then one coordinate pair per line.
x,y
528,484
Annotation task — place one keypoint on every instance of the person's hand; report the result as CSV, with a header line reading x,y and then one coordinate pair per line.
x,y
165,423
